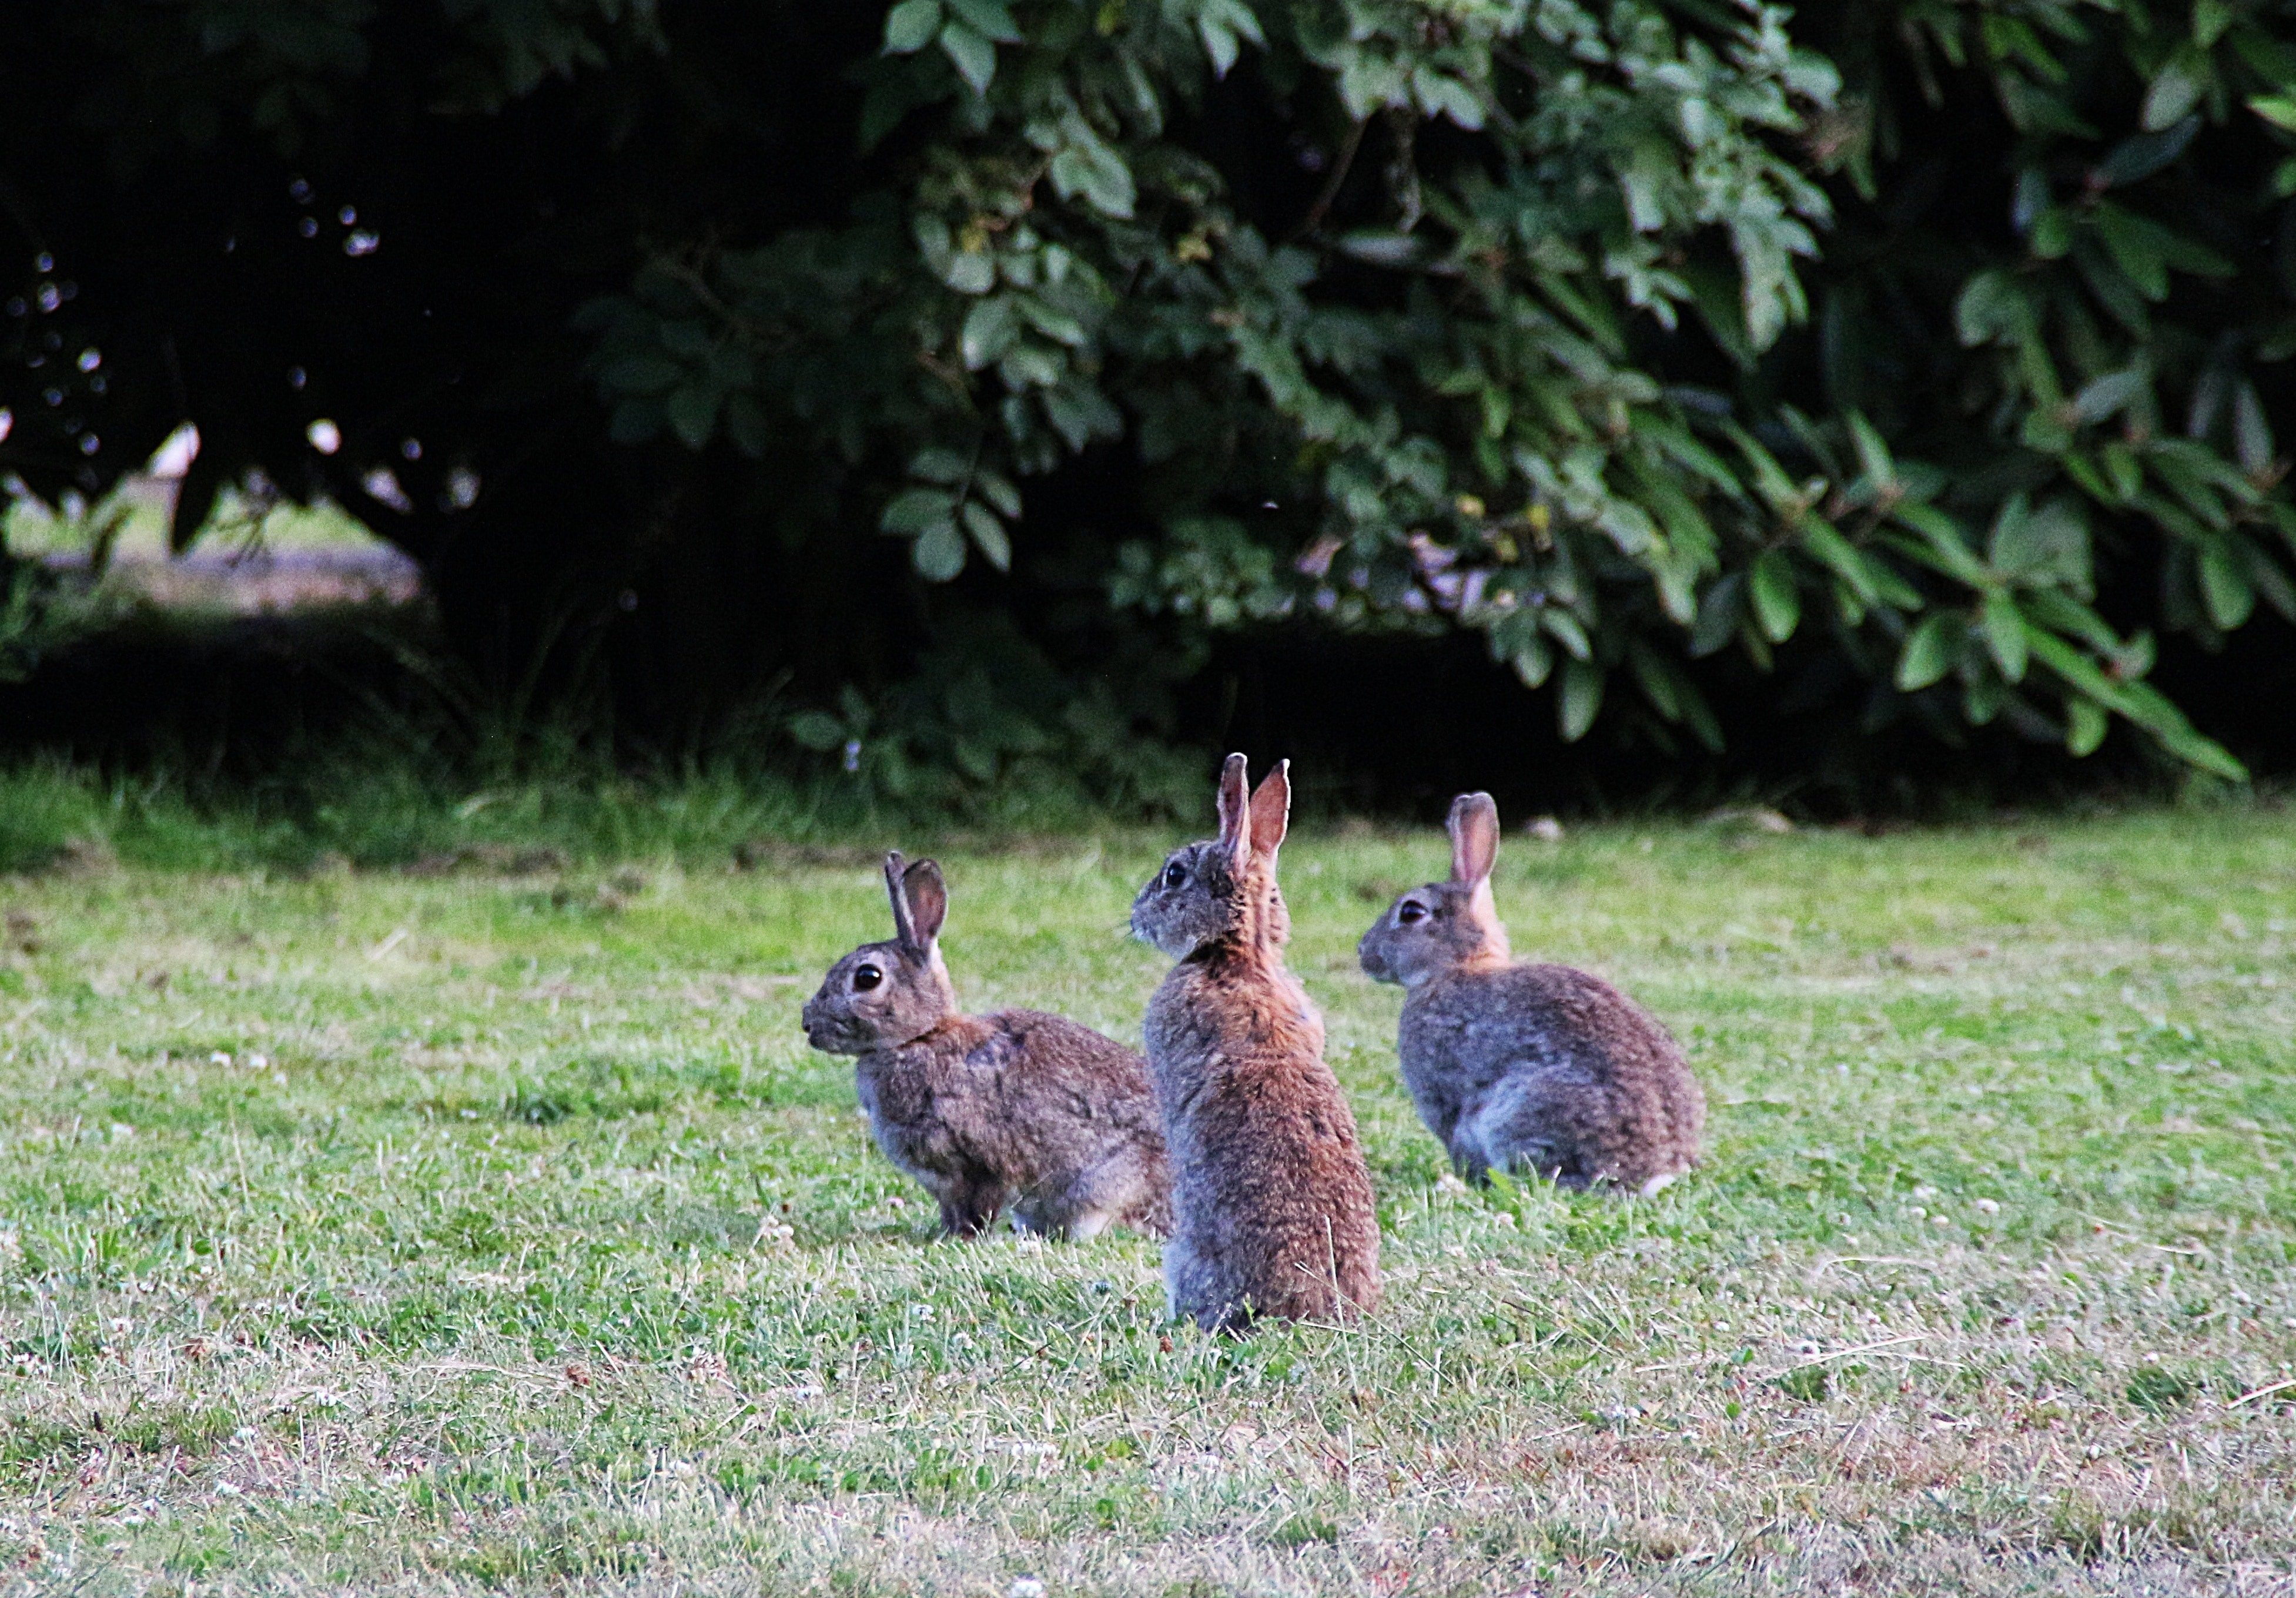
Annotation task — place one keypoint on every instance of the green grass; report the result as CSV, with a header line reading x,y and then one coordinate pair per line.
x,y
365,1232
31,530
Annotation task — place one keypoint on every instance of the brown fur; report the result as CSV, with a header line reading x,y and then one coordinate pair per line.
x,y
1526,1068
1272,1210
1017,1110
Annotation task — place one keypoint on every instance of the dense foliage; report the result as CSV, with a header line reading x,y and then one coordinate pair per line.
x,y
1924,355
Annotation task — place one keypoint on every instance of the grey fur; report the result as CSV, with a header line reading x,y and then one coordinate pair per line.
x,y
1271,1207
1016,1109
1523,1066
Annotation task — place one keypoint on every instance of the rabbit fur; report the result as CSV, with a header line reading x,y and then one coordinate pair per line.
x,y
1018,1109
1272,1207
1526,1067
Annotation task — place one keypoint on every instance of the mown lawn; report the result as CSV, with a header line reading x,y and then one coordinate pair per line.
x,y
383,1232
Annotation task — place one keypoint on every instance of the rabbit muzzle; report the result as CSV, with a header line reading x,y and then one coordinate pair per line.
x,y
829,1028
1371,954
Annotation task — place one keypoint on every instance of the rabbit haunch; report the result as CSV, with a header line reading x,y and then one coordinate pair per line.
x,y
1523,1066
1271,1200
1016,1109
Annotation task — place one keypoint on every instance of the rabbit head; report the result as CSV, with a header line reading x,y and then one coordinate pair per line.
x,y
1444,926
885,995
1223,890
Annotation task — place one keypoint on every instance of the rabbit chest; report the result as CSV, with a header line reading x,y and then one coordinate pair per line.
x,y
932,1103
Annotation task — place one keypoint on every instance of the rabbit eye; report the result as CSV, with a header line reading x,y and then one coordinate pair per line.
x,y
1409,911
866,977
1175,874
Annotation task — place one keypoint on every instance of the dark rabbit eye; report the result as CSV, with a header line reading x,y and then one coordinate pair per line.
x,y
1175,874
866,977
1409,911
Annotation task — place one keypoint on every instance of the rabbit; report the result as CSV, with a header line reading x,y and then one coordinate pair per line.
x,y
1016,1109
1524,1067
1271,1201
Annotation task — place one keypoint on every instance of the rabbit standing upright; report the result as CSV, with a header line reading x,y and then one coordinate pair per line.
x,y
1015,1108
1271,1201
1520,1067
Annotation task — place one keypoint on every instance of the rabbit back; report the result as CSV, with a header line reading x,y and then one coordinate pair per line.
x,y
1023,1109
1544,1069
1271,1203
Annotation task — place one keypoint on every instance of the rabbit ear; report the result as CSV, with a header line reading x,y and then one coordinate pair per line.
x,y
1271,810
905,925
928,897
1234,810
1474,827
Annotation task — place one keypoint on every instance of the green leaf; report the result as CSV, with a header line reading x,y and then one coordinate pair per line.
x,y
939,553
1565,628
817,730
1220,24
997,491
2137,246
1053,324
910,26
1441,96
2225,587
2044,547
988,534
2084,725
1839,556
2176,88
640,374
970,272
1992,306
912,510
1097,173
2140,156
2279,110
975,58
2004,633
692,413
1941,541
1719,611
1873,453
939,464
1929,652
1581,700
989,17
2110,394
2140,705
1777,600
1697,714
1532,662
2251,433
989,329
1657,682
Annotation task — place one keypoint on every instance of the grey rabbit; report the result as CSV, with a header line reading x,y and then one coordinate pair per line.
x,y
1271,1201
1522,1067
1016,1109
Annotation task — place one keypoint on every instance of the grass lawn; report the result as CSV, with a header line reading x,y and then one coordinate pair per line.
x,y
385,1232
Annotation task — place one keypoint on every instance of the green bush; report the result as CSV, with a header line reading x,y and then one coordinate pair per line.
x,y
1933,349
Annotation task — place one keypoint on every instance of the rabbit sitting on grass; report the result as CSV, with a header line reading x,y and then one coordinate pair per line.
x,y
1016,1109
1271,1201
1523,1068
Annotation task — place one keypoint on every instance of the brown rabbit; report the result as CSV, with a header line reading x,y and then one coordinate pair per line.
x,y
1015,1108
1526,1068
1271,1202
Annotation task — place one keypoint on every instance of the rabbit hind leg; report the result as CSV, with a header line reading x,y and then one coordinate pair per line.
x,y
1114,1190
1528,1124
969,1208
1195,1288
